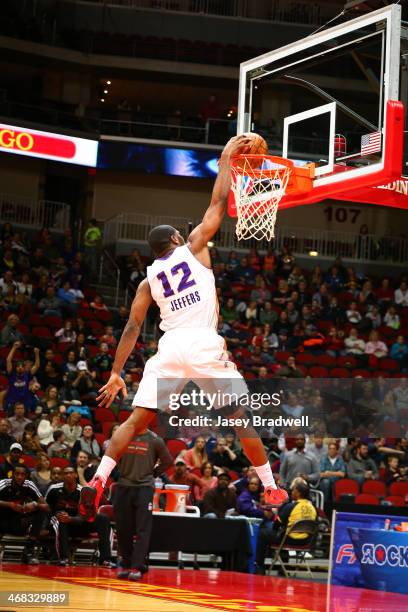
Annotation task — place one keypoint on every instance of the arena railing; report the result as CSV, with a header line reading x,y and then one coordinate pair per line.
x,y
295,11
33,213
134,227
109,271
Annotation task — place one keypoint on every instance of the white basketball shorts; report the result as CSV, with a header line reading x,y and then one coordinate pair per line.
x,y
189,354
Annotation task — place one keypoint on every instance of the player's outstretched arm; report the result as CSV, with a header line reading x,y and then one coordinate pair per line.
x,y
140,305
219,200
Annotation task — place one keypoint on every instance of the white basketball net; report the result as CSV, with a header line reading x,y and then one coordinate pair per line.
x,y
257,195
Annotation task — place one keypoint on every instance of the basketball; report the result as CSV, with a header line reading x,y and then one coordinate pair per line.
x,y
258,145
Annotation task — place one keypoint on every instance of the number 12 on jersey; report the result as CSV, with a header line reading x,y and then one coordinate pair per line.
x,y
185,281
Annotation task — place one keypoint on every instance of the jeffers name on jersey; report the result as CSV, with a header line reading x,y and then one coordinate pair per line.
x,y
185,300
184,290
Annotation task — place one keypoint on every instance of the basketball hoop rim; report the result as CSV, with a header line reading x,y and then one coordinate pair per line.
x,y
241,168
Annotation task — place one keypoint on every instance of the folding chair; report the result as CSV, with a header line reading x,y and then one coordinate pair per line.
x,y
302,526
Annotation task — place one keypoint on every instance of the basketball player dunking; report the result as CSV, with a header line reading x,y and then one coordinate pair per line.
x,y
181,282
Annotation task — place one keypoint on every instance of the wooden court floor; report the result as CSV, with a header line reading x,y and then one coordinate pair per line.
x,y
167,590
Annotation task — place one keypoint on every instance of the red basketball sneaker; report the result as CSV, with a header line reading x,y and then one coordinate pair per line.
x,y
275,497
90,497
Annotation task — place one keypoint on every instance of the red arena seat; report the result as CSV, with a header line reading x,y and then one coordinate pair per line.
x,y
345,486
395,500
399,488
175,447
374,487
365,498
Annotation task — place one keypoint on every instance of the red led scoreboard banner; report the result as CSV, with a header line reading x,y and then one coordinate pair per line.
x,y
46,145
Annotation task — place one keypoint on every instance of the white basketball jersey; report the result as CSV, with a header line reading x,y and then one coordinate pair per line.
x,y
184,290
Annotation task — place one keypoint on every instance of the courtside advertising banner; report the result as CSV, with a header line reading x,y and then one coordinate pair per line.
x,y
367,555
46,145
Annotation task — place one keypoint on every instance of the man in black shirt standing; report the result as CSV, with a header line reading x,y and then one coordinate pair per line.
x,y
146,457
22,509
63,499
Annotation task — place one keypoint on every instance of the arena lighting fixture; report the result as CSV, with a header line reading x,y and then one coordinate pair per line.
x,y
210,244
109,82
102,99
105,91
314,253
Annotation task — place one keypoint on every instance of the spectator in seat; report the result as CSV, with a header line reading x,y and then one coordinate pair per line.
x,y
220,500
195,457
379,452
399,352
353,344
41,476
384,294
6,439
249,501
300,508
298,462
353,314
24,286
30,441
332,467
292,406
361,467
70,363
103,361
67,334
72,429
98,303
18,421
84,467
88,443
51,375
401,295
50,304
58,448
372,318
109,337
10,334
241,484
50,402
391,318
322,296
69,297
334,343
375,347
14,457
317,447
81,383
208,481
289,370
7,282
22,510
394,471
261,294
183,477
243,272
267,315
63,500
46,427
222,456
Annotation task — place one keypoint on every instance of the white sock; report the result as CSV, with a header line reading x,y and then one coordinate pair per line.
x,y
265,474
105,467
